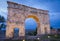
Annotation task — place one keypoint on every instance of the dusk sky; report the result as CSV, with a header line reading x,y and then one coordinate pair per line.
x,y
53,6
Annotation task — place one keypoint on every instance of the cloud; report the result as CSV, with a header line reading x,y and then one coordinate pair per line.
x,y
3,10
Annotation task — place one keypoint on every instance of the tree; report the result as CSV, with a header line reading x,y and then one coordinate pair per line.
x,y
2,20
59,30
35,32
51,27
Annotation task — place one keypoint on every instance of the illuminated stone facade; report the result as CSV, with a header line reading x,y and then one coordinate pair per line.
x,y
17,14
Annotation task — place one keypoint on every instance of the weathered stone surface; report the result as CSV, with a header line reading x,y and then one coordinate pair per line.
x,y
17,14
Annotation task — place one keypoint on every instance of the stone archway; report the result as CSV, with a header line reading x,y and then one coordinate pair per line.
x,y
17,14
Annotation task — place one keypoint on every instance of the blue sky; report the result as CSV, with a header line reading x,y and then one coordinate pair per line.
x,y
52,5
30,23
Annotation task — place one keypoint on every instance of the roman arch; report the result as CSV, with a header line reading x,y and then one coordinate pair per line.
x,y
17,14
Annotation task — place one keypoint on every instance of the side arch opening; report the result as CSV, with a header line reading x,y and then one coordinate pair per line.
x,y
16,32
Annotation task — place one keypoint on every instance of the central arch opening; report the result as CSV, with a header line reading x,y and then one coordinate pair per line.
x,y
30,27
31,24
